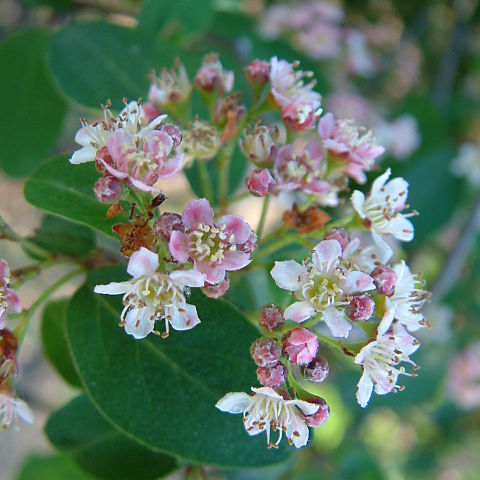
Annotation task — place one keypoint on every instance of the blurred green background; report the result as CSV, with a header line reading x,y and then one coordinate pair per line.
x,y
409,70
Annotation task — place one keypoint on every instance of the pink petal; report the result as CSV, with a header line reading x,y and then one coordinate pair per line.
x,y
196,212
213,273
326,125
138,184
235,260
287,275
299,312
235,225
171,166
117,143
142,262
178,246
326,252
187,278
317,187
356,282
13,300
3,318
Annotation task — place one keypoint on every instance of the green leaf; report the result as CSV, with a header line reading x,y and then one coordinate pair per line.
x,y
97,447
163,392
33,110
55,467
59,236
55,341
66,190
94,62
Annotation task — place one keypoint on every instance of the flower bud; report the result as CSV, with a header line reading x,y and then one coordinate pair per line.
x,y
360,308
103,156
211,76
300,117
384,279
202,141
266,351
261,144
300,346
171,86
218,290
250,245
321,415
173,131
230,108
317,370
272,317
167,223
340,235
258,73
272,377
108,189
259,182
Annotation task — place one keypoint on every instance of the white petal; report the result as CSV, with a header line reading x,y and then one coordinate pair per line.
x,y
287,275
138,322
402,228
326,252
182,317
336,322
388,317
298,426
233,402
270,392
85,154
187,278
23,411
384,252
306,407
113,288
299,311
357,282
380,182
364,390
142,262
358,199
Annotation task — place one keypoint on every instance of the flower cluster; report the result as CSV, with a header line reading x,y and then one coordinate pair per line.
x,y
345,288
11,407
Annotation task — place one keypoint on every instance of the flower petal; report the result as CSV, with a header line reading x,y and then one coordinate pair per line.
x,y
358,200
196,212
142,262
336,322
182,317
326,254
172,166
356,282
233,402
85,154
380,182
178,246
299,311
235,260
387,318
235,225
187,278
113,288
139,323
287,275
364,389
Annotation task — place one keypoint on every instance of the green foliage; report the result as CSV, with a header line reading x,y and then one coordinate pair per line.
x,y
66,190
55,467
60,236
55,343
96,446
33,110
163,392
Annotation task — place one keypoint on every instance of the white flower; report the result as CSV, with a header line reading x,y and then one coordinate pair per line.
x,y
151,296
381,209
407,301
364,256
467,163
379,359
324,285
171,86
92,137
12,408
266,409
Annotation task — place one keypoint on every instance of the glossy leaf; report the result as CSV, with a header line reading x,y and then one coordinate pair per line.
x,y
163,392
33,110
97,447
55,341
55,467
66,190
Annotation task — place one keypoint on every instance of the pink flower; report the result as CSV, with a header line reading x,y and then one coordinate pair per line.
x,y
301,169
9,299
212,247
346,142
259,182
288,86
13,408
300,117
324,285
300,346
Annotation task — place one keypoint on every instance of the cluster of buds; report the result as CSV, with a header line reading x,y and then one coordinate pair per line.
x,y
11,407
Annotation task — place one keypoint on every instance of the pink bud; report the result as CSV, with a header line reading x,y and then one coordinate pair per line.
x,y
300,346
317,370
250,245
272,377
258,73
340,235
259,182
266,352
272,317
167,223
173,131
151,112
321,415
108,189
218,290
361,307
300,117
207,79
102,157
384,279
